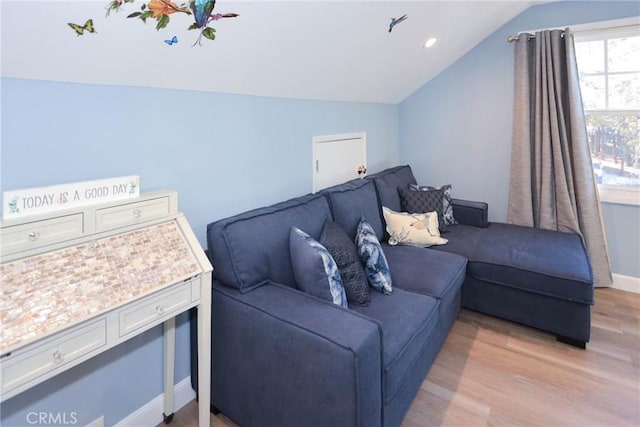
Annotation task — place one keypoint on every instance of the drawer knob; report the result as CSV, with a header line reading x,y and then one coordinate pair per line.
x,y
58,356
160,309
33,236
136,213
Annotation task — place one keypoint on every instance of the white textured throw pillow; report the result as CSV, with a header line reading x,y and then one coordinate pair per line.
x,y
412,229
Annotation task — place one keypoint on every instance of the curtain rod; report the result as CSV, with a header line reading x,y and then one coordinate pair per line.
x,y
530,36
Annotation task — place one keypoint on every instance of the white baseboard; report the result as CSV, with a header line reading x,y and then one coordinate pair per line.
x,y
150,414
626,283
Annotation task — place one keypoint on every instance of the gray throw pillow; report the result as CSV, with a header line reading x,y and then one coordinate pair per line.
x,y
423,202
447,206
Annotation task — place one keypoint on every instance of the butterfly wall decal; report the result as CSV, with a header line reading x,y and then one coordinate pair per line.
x,y
80,29
173,41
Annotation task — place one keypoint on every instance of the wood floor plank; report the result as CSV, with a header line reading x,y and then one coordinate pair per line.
x,y
492,372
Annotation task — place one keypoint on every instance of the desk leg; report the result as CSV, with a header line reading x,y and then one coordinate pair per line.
x,y
204,352
169,364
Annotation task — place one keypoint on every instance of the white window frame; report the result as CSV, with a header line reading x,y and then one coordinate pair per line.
x,y
596,31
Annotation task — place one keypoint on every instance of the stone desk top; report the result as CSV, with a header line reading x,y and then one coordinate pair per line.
x,y
45,293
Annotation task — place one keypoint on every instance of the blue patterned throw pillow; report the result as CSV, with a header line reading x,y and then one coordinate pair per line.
x,y
314,269
371,254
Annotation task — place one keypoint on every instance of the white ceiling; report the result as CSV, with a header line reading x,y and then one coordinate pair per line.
x,y
330,50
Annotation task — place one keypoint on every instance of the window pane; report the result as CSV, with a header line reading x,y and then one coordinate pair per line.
x,y
590,56
624,54
615,149
593,92
624,91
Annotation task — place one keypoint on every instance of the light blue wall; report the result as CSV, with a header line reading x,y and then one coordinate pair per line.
x,y
223,154
622,223
457,127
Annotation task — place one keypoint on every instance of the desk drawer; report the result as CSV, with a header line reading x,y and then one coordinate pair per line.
x,y
131,213
155,309
38,360
39,233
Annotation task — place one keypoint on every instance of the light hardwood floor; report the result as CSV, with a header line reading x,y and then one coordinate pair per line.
x,y
492,372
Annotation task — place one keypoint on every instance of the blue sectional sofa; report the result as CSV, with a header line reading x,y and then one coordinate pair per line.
x,y
282,357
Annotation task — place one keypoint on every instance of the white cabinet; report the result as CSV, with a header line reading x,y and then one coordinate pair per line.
x,y
40,233
25,367
167,303
33,235
132,213
79,282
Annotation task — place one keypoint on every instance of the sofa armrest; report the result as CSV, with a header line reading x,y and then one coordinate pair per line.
x,y
282,357
471,213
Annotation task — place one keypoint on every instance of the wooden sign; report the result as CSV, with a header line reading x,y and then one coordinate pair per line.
x,y
31,201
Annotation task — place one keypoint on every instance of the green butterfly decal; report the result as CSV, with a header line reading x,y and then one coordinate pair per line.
x,y
80,29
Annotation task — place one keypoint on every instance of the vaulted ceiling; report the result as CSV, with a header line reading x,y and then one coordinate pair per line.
x,y
330,50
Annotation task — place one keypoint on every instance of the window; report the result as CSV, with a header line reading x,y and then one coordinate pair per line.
x,y
609,68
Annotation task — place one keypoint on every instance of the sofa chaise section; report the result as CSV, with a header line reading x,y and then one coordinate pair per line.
x,y
539,278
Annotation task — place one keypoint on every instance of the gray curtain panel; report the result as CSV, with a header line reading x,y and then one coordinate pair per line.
x,y
552,184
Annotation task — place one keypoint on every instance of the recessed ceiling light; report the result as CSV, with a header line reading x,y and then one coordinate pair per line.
x,y
430,42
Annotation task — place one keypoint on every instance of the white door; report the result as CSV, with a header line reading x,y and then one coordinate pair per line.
x,y
338,158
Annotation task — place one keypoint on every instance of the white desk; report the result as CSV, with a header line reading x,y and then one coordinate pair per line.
x,y
79,282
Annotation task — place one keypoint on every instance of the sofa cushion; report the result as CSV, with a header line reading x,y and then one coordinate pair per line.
x,y
425,271
424,201
541,261
314,269
407,321
387,183
462,240
373,258
447,207
351,201
343,251
434,273
412,229
252,248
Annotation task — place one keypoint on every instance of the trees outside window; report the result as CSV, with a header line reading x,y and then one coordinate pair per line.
x,y
609,67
